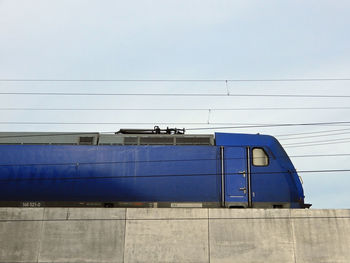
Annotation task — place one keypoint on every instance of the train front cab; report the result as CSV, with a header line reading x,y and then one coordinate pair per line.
x,y
257,173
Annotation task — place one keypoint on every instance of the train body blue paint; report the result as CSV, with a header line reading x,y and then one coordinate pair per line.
x,y
236,170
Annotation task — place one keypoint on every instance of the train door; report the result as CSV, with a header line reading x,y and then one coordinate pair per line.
x,y
235,176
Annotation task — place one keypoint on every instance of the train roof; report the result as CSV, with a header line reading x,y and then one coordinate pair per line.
x,y
243,139
95,138
103,139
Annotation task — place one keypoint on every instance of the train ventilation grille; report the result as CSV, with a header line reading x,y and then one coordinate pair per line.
x,y
86,140
156,141
193,141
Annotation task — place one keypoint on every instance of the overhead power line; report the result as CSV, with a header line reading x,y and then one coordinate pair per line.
x,y
323,141
237,125
179,80
314,132
167,160
173,94
314,136
317,144
174,109
320,155
160,175
43,134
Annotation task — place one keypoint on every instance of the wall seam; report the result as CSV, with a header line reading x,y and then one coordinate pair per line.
x,y
41,235
208,235
293,236
125,221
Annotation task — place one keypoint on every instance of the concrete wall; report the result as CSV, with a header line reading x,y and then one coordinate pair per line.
x,y
173,235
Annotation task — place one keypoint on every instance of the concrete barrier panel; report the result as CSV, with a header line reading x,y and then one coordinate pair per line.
x,y
250,236
20,234
91,237
19,241
181,236
322,236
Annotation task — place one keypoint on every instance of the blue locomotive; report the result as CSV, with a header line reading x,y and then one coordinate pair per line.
x,y
147,168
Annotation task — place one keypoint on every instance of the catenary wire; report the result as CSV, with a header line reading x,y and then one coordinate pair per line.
x,y
113,132
238,125
42,134
173,109
316,144
323,141
178,80
164,175
173,94
268,125
166,160
94,133
313,136
314,132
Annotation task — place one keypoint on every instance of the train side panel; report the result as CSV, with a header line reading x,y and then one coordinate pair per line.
x,y
56,173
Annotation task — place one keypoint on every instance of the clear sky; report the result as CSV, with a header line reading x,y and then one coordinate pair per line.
x,y
186,40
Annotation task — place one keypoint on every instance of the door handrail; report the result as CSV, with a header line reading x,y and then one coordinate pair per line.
x,y
222,176
250,205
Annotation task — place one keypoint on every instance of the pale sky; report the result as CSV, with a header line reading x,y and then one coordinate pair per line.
x,y
185,40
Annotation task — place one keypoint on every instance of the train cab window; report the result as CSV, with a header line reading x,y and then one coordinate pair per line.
x,y
260,158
